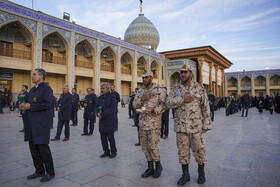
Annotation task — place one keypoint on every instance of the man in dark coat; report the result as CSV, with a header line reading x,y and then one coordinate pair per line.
x,y
130,108
277,102
64,109
106,109
245,103
89,112
136,118
211,99
75,107
24,113
38,109
117,96
52,110
165,122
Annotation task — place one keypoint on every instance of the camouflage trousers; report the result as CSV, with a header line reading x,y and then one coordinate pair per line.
x,y
149,140
194,141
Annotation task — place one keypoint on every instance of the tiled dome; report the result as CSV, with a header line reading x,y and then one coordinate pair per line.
x,y
142,32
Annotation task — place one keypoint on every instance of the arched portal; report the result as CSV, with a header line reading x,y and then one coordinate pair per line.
x,y
174,79
84,55
141,66
246,85
232,82
260,81
126,63
54,49
16,40
107,59
155,69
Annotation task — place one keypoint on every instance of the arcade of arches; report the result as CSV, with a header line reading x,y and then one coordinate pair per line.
x,y
264,82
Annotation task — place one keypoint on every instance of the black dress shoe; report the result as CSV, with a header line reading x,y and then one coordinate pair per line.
x,y
104,155
34,176
84,134
137,144
113,155
21,130
89,134
46,178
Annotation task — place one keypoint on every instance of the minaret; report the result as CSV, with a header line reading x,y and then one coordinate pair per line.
x,y
141,14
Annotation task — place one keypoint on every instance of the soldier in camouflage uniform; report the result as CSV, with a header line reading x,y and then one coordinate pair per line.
x,y
152,97
192,120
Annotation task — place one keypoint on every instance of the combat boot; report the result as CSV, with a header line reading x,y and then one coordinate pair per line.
x,y
201,174
158,170
185,177
149,171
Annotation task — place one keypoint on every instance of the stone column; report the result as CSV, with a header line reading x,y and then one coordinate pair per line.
x,y
118,72
37,48
134,72
267,84
223,81
210,76
70,61
238,84
160,73
149,62
225,84
216,80
252,85
200,63
97,68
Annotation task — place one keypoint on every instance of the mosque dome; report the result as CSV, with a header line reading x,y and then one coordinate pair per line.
x,y
142,32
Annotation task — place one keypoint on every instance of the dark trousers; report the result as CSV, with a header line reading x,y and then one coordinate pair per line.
x,y
105,137
91,126
116,120
136,123
212,113
51,123
25,121
164,127
42,158
75,116
130,112
245,107
60,126
173,113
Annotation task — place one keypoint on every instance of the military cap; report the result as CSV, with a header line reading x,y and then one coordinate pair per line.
x,y
147,74
185,68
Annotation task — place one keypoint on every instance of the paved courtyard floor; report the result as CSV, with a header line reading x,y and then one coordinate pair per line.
x,y
241,152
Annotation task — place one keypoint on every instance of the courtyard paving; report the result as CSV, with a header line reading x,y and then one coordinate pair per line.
x,y
240,151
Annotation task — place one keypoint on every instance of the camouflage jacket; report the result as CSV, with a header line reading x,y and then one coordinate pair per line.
x,y
190,117
150,121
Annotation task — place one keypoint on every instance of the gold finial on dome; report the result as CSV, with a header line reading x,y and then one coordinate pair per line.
x,y
141,1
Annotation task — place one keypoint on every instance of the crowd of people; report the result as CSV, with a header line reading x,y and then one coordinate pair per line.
x,y
149,106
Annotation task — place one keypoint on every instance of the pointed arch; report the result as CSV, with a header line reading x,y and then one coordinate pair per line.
x,y
155,71
88,42
126,64
108,58
142,65
245,81
232,82
274,80
84,57
60,35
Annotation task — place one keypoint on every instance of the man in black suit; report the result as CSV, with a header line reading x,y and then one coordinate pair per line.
x,y
89,112
37,132
75,107
64,108
245,103
106,109
117,96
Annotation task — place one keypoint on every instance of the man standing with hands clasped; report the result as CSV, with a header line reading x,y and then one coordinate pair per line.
x,y
106,109
149,101
38,130
192,120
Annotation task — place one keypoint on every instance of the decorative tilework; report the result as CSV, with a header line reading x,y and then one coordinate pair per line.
x,y
244,75
73,27
103,45
80,37
254,72
144,55
124,50
39,45
119,69
271,74
97,77
72,42
135,69
47,29
6,17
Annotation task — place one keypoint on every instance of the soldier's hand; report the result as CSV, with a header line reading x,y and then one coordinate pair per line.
x,y
25,106
205,130
188,99
149,110
147,96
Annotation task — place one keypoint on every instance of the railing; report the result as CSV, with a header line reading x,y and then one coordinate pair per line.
x,y
107,68
232,85
83,64
274,83
54,59
245,84
259,84
126,71
15,53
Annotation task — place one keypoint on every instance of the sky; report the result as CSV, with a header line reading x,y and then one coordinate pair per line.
x,y
246,32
